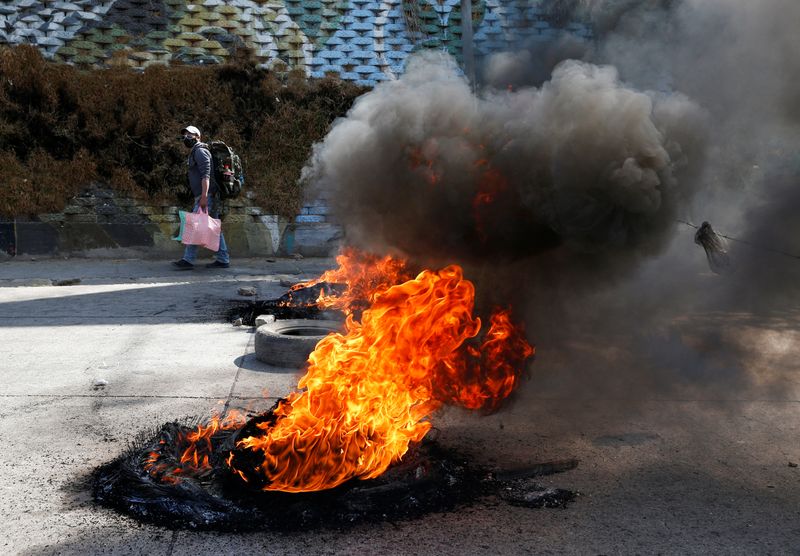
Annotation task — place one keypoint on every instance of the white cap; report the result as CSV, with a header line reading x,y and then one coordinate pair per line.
x,y
191,129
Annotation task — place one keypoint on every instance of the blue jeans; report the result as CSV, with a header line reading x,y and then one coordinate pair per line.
x,y
190,253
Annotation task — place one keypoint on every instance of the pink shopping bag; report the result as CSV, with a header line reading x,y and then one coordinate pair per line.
x,y
202,230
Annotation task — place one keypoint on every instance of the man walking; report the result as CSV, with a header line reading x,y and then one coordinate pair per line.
x,y
206,196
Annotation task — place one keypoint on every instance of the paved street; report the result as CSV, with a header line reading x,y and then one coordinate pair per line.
x,y
87,367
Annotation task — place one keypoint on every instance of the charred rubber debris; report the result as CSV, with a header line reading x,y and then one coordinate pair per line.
x,y
294,304
431,478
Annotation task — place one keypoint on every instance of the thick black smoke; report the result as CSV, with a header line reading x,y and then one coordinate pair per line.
x,y
584,164
533,62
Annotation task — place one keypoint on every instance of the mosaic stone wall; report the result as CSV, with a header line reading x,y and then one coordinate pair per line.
x,y
100,222
362,40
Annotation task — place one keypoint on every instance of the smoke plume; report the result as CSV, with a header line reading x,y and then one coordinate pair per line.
x,y
675,326
739,61
560,184
423,166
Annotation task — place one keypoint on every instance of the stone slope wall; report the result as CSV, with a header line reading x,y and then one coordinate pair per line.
x,y
362,40
100,222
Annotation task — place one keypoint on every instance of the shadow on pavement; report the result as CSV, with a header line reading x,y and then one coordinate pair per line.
x,y
119,304
250,363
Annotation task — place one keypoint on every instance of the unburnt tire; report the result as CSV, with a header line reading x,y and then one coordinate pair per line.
x,y
287,343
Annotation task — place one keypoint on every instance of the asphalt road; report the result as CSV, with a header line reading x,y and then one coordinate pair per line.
x,y
87,367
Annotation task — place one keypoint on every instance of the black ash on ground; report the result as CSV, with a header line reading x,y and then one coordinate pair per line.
x,y
429,479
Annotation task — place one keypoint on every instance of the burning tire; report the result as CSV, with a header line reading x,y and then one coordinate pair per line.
x,y
287,343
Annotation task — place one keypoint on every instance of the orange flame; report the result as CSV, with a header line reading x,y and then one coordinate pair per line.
x,y
423,165
365,276
194,449
367,393
491,184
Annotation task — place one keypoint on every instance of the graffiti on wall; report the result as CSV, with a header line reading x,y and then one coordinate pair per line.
x,y
362,40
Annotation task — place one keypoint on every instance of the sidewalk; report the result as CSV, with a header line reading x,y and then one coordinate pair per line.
x,y
86,368
108,271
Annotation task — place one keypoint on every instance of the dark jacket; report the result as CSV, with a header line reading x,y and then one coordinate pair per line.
x,y
200,167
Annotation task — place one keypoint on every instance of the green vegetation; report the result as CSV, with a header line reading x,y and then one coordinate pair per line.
x,y
62,127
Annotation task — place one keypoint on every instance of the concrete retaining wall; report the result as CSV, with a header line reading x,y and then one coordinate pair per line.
x,y
100,222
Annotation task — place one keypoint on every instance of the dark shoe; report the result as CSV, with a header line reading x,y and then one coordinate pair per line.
x,y
217,264
182,264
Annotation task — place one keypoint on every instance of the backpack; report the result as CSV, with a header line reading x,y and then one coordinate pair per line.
x,y
227,169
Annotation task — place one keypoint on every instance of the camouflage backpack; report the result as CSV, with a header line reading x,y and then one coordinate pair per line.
x,y
227,168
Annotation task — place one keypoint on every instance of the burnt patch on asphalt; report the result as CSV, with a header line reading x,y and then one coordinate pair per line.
x,y
429,479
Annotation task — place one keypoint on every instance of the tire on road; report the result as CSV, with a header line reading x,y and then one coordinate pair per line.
x,y
287,343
